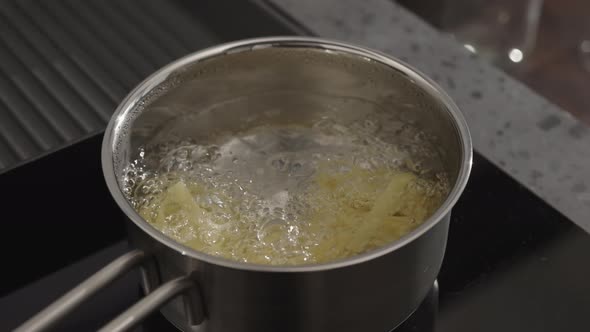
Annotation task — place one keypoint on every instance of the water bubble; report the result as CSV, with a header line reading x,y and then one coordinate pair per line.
x,y
273,232
252,188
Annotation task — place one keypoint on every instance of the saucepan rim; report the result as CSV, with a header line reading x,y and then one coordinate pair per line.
x,y
429,86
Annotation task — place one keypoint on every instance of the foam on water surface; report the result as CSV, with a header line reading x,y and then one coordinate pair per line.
x,y
290,194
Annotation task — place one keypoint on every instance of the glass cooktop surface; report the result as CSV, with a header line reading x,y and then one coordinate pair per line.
x,y
512,263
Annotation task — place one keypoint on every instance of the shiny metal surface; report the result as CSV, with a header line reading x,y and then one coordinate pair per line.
x,y
371,292
260,67
375,291
375,295
56,311
139,311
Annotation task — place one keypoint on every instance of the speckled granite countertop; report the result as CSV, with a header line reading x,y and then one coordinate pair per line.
x,y
539,145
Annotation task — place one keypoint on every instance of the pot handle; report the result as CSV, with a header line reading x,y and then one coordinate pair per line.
x,y
156,299
56,311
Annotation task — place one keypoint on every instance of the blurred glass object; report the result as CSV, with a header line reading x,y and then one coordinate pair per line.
x,y
503,31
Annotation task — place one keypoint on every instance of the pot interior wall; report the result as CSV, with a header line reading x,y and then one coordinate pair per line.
x,y
282,85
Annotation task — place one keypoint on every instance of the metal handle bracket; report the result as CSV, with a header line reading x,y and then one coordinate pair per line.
x,y
56,311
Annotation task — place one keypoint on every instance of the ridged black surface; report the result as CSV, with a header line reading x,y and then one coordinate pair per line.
x,y
65,65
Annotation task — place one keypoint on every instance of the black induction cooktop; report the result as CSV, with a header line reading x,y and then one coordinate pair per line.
x,y
513,263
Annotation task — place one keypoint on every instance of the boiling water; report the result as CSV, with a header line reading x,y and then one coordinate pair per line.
x,y
291,194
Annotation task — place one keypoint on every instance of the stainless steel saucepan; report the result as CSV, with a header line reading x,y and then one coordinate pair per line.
x,y
216,89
